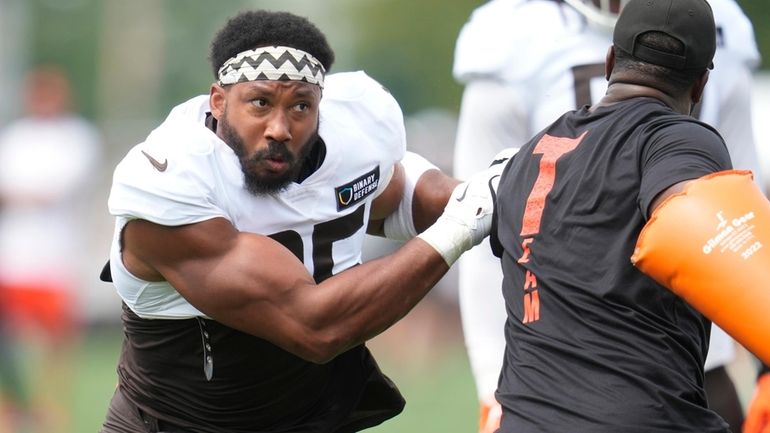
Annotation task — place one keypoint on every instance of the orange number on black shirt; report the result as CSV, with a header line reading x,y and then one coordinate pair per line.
x,y
552,148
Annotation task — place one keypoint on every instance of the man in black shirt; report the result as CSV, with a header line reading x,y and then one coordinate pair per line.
x,y
592,343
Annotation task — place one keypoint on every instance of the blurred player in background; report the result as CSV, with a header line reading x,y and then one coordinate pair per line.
x,y
524,63
48,159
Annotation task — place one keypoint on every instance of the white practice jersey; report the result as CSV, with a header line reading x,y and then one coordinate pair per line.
x,y
538,52
526,62
726,103
183,173
47,168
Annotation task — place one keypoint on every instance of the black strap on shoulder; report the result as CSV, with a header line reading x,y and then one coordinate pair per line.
x,y
106,274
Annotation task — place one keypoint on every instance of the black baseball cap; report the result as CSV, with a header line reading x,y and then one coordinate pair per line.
x,y
689,21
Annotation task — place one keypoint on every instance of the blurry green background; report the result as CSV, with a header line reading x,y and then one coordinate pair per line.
x,y
130,61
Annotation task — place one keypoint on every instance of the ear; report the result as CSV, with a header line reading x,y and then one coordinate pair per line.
x,y
697,88
609,62
217,100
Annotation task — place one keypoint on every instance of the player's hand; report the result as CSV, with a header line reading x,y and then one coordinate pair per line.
x,y
467,217
490,414
472,202
758,414
498,163
470,207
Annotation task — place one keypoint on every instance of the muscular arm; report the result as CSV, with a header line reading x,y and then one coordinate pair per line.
x,y
254,284
431,194
430,197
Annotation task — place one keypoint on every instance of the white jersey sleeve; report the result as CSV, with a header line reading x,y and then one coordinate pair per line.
x,y
491,119
168,179
727,97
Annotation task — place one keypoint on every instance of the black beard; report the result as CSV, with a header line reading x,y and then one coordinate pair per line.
x,y
258,184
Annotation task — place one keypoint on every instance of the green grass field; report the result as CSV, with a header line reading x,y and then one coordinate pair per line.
x,y
95,379
440,399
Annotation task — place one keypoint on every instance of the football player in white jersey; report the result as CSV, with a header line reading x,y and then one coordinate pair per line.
x,y
238,237
524,63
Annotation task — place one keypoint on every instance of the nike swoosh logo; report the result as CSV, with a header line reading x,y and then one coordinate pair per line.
x,y
462,196
160,166
491,188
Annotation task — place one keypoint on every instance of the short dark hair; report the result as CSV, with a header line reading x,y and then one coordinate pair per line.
x,y
261,28
672,80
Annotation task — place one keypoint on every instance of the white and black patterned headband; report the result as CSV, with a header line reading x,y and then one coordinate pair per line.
x,y
272,63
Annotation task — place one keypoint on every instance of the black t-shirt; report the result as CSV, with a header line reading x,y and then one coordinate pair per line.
x,y
594,345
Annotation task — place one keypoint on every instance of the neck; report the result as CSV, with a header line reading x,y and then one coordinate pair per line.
x,y
618,91
313,160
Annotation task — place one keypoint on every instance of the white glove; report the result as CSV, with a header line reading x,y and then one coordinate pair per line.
x,y
467,218
496,167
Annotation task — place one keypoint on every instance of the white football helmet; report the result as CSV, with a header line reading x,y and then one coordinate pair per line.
x,y
599,13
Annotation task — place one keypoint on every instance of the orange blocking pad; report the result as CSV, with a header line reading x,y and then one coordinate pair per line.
x,y
711,245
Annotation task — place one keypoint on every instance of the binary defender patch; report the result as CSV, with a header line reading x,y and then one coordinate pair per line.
x,y
357,190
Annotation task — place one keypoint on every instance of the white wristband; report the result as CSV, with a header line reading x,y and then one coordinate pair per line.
x,y
449,238
399,225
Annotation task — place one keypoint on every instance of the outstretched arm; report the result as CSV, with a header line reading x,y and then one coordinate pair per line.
x,y
252,283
